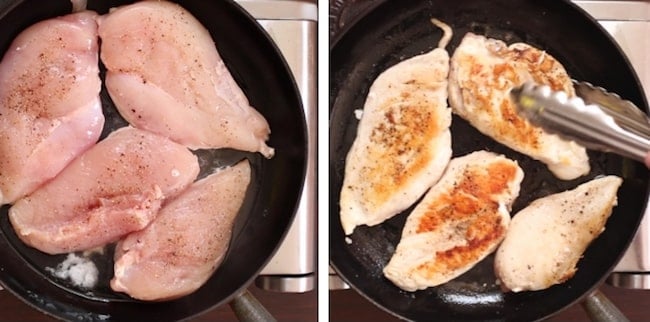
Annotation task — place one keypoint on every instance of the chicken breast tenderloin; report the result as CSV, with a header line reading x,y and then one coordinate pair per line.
x,y
114,188
460,221
482,73
403,142
547,239
50,111
187,241
165,75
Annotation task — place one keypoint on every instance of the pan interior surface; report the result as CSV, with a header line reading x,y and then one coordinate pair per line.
x,y
269,206
393,31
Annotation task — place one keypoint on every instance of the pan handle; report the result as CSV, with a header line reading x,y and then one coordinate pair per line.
x,y
248,309
601,309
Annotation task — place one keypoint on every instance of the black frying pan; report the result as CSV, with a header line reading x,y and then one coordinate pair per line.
x,y
390,31
268,209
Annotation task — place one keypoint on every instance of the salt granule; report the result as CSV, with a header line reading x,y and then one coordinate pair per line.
x,y
81,271
358,113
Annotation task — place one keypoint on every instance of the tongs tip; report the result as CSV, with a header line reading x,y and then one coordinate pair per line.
x,y
525,103
609,127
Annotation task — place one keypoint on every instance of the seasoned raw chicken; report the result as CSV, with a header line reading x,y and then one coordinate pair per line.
x,y
460,221
547,238
482,73
166,76
184,245
403,140
50,110
114,188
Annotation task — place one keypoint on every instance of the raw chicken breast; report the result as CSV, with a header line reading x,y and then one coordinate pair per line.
x,y
50,110
482,73
185,244
166,76
460,221
112,189
547,238
403,141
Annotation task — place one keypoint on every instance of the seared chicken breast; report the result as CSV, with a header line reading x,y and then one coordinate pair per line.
x,y
547,238
403,141
482,73
460,221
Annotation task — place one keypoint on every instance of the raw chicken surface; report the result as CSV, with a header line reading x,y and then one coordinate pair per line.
x,y
482,73
166,76
184,245
403,141
50,110
547,239
460,221
114,188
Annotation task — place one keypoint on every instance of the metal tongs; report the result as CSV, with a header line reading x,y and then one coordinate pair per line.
x,y
595,118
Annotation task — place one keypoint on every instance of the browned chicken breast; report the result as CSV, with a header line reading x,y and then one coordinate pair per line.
x,y
460,221
403,140
482,73
547,238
